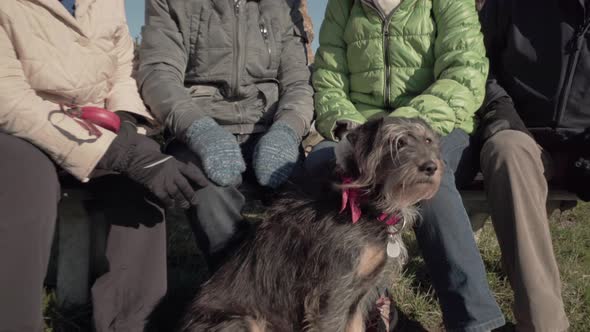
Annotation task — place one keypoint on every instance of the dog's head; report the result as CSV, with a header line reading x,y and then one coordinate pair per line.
x,y
395,162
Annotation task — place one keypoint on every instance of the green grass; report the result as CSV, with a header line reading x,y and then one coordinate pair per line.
x,y
413,292
571,239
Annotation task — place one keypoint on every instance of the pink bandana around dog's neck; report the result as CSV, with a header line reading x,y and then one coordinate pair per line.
x,y
352,196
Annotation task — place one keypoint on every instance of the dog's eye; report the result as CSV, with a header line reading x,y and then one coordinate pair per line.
x,y
400,143
428,140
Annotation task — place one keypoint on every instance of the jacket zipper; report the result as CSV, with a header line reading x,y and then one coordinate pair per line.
x,y
574,47
386,59
236,48
264,32
385,29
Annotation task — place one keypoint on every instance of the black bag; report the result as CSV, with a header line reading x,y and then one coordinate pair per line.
x,y
578,174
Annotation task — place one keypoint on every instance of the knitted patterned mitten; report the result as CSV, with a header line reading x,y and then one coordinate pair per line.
x,y
219,151
276,154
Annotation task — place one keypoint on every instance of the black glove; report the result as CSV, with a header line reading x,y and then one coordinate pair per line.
x,y
500,115
139,158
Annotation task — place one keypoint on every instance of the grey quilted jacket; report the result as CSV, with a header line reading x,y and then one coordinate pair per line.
x,y
241,62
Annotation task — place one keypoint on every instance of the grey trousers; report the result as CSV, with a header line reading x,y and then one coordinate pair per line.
x,y
135,279
515,170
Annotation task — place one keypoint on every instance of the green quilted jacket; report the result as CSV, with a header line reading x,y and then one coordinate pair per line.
x,y
426,59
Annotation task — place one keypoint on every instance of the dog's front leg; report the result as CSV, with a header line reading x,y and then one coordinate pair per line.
x,y
371,263
356,322
328,307
344,298
231,324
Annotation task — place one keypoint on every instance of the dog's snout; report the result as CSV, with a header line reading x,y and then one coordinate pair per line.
x,y
429,168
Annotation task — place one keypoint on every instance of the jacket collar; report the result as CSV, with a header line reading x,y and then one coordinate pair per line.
x,y
60,11
83,6
375,6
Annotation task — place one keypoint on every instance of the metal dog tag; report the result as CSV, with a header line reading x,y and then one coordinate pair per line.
x,y
393,249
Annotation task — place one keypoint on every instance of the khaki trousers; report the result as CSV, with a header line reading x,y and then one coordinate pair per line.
x,y
516,170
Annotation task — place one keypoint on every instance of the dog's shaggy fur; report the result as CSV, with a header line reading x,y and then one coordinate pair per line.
x,y
308,267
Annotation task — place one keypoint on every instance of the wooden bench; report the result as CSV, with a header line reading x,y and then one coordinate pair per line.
x,y
478,209
81,236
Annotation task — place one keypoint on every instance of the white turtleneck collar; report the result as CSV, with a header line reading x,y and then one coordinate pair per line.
x,y
387,6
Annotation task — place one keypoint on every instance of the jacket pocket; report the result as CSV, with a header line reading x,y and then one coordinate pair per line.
x,y
208,100
260,108
203,97
203,91
271,37
269,93
265,33
272,42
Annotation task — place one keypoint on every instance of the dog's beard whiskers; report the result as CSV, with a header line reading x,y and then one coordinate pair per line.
x,y
409,215
398,193
405,174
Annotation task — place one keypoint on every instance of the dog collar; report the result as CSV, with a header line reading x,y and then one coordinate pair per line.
x,y
389,220
351,197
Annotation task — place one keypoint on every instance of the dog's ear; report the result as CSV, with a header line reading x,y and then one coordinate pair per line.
x,y
344,154
357,146
366,135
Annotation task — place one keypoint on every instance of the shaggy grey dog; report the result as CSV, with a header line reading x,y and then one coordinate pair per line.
x,y
314,262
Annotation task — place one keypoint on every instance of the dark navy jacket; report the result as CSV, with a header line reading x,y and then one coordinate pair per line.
x,y
539,54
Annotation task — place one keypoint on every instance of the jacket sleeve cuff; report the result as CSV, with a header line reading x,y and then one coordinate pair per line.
x,y
178,122
494,92
83,158
132,104
180,119
295,122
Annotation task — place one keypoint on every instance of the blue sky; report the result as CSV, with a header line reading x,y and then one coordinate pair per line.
x,y
135,15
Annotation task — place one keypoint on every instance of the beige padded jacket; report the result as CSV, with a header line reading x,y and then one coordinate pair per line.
x,y
47,58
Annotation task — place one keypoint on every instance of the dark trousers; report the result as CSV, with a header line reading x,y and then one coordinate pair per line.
x,y
217,220
135,278
447,243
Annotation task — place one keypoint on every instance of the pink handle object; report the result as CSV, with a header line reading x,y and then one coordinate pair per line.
x,y
101,117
